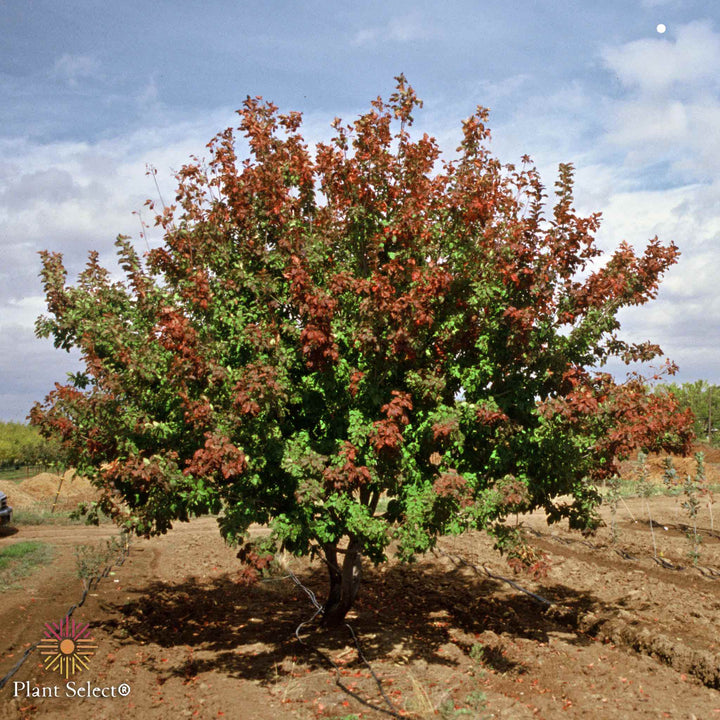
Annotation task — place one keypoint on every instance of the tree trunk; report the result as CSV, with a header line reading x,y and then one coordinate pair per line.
x,y
344,582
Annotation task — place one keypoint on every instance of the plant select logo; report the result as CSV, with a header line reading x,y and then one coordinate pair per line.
x,y
67,647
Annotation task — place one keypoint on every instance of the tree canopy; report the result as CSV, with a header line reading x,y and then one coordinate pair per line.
x,y
360,345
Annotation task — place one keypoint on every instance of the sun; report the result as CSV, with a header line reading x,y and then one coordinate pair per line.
x,y
67,647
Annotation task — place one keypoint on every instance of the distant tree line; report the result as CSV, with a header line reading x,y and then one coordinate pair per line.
x,y
22,444
704,401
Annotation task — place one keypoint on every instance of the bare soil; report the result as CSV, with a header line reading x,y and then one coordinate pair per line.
x,y
630,629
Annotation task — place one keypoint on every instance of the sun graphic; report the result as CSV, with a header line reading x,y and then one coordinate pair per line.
x,y
67,647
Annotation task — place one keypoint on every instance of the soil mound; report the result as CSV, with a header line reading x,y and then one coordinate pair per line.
x,y
41,490
630,469
16,498
41,486
712,454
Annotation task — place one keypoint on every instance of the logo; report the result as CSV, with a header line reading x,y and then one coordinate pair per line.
x,y
66,647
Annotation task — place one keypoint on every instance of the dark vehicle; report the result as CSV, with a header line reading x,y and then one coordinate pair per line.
x,y
5,509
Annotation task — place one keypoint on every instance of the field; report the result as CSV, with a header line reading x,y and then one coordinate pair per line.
x,y
624,629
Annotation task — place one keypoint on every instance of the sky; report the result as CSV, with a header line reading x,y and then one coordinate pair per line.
x,y
92,93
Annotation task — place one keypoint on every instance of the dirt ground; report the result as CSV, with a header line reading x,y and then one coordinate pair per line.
x,y
630,629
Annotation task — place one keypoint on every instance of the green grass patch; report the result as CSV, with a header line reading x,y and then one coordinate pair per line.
x,y
43,516
20,559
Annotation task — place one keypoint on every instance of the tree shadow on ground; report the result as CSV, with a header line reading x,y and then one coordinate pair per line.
x,y
427,611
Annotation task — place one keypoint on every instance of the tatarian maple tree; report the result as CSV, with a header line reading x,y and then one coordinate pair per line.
x,y
358,346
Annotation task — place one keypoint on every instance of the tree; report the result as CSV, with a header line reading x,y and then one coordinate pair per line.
x,y
703,399
23,445
357,347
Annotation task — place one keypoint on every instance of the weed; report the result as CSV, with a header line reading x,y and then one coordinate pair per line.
x,y
448,711
20,559
420,704
477,653
279,566
287,680
477,700
693,487
474,703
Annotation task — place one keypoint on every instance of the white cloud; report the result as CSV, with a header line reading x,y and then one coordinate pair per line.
x,y
647,161
685,317
670,108
22,313
658,66
74,68
73,197
650,124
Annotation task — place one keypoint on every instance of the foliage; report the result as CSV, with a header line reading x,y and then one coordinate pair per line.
x,y
703,399
22,444
92,561
694,487
670,476
320,333
477,653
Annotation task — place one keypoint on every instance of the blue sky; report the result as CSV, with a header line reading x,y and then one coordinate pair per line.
x,y
93,91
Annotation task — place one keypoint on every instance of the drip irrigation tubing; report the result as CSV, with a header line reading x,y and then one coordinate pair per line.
x,y
391,709
90,585
479,571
